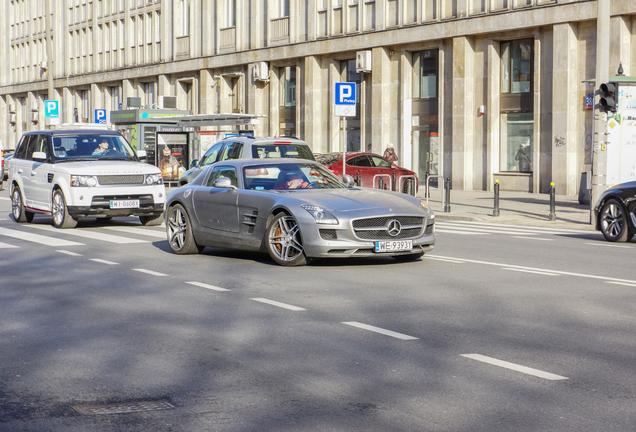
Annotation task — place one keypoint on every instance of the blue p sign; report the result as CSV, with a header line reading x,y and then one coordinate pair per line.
x,y
99,116
346,93
51,108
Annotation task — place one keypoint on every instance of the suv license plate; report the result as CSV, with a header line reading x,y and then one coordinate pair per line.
x,y
393,246
124,204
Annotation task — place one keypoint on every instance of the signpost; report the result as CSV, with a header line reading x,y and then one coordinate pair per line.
x,y
100,116
52,111
345,102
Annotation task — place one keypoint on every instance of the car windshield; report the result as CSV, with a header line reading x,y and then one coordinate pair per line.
x,y
271,151
289,177
91,147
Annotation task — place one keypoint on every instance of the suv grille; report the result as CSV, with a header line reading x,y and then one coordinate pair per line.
x,y
377,228
109,180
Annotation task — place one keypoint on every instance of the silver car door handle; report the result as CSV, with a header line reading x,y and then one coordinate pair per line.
x,y
20,171
34,173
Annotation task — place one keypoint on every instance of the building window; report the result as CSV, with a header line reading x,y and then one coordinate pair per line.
x,y
516,142
150,94
426,82
183,18
115,98
516,61
288,87
85,102
230,13
282,8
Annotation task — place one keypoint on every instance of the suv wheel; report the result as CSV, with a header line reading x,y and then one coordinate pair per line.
x,y
19,213
151,220
59,211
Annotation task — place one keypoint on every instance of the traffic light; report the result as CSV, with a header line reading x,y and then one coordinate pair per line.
x,y
607,100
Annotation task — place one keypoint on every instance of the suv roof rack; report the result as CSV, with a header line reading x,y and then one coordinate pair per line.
x,y
76,126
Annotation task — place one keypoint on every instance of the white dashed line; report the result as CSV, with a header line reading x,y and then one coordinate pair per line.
x,y
515,367
139,231
374,329
103,261
37,238
622,283
533,238
91,235
150,272
207,286
530,271
608,245
444,260
279,304
437,230
7,246
65,252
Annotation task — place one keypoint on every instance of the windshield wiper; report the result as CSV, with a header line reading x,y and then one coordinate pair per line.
x,y
76,159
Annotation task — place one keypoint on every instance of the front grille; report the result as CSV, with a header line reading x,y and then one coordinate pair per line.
x,y
328,234
376,228
109,180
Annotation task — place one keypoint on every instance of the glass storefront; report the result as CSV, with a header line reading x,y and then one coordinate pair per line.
x,y
516,142
425,114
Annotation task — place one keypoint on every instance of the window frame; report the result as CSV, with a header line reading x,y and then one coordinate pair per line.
x,y
219,168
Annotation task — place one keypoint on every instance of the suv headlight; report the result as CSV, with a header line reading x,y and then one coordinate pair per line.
x,y
83,181
153,179
321,215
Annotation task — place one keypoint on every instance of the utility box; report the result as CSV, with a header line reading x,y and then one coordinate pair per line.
x,y
621,129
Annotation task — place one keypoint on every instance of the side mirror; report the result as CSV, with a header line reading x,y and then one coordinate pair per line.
x,y
224,183
141,154
194,163
39,156
348,181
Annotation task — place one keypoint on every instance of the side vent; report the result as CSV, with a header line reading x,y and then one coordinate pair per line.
x,y
49,177
249,220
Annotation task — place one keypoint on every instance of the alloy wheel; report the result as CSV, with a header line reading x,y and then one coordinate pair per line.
x,y
16,204
285,239
177,229
58,209
613,220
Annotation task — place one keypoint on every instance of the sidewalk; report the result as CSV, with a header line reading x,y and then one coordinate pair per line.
x,y
515,208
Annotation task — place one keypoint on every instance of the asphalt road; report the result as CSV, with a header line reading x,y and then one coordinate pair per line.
x,y
498,329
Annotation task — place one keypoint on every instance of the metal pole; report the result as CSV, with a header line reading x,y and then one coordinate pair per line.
x,y
447,188
495,211
599,155
49,49
552,202
344,146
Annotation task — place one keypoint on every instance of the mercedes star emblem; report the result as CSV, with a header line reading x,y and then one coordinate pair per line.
x,y
393,227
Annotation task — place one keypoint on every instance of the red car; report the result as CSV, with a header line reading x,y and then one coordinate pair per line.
x,y
371,170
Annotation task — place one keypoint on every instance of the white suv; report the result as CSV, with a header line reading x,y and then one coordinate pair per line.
x,y
70,174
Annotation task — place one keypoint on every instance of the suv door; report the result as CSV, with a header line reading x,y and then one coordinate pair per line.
x,y
40,173
21,167
216,208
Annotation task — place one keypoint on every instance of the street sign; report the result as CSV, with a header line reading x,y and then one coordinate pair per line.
x,y
100,116
345,99
52,111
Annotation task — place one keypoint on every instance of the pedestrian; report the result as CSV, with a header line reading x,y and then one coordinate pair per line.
x,y
390,155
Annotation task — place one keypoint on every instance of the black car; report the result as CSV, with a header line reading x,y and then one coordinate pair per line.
x,y
616,212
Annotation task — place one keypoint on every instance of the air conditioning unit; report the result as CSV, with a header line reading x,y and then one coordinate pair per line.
x,y
12,108
35,117
168,102
363,61
133,102
13,118
260,71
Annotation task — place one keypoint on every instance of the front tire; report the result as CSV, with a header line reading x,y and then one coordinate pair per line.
x,y
284,243
179,232
151,220
59,211
18,212
614,224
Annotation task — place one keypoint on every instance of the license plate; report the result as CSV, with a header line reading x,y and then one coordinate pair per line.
x,y
124,204
393,246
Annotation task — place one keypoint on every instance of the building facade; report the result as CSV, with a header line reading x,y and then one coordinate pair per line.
x,y
469,89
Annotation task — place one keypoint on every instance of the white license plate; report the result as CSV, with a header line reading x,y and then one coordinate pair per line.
x,y
393,246
124,204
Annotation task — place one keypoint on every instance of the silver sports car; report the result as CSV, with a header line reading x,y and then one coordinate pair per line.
x,y
294,210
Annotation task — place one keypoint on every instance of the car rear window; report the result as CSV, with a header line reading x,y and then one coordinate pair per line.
x,y
270,151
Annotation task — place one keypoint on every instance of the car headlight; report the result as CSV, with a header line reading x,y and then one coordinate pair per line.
x,y
321,215
153,179
83,181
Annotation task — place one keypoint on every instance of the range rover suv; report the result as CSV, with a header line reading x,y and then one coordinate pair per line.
x,y
71,174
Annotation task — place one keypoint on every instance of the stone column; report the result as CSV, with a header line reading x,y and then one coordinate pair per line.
x,y
207,94
127,90
381,99
4,120
257,27
620,45
493,108
67,105
208,23
258,102
564,109
96,97
274,102
463,116
165,87
167,31
406,112
312,113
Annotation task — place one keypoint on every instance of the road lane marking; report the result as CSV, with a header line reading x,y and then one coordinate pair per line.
x,y
65,252
37,238
443,260
207,286
7,246
5,199
278,304
91,235
150,272
493,230
437,230
138,231
530,271
622,283
103,261
563,273
533,238
515,367
527,228
608,245
380,330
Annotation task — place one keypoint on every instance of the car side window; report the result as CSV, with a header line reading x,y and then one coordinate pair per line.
x,y
41,144
232,150
212,154
21,152
360,161
33,141
223,171
380,163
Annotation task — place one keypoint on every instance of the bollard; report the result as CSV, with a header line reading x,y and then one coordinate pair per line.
x,y
552,202
495,211
447,188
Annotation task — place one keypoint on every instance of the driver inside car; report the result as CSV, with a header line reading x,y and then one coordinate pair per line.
x,y
101,149
289,180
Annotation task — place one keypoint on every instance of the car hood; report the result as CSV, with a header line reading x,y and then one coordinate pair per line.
x,y
356,199
107,168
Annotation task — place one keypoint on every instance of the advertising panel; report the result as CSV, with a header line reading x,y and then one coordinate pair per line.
x,y
172,155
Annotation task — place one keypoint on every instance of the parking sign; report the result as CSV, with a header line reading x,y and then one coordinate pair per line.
x,y
99,116
52,111
345,99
